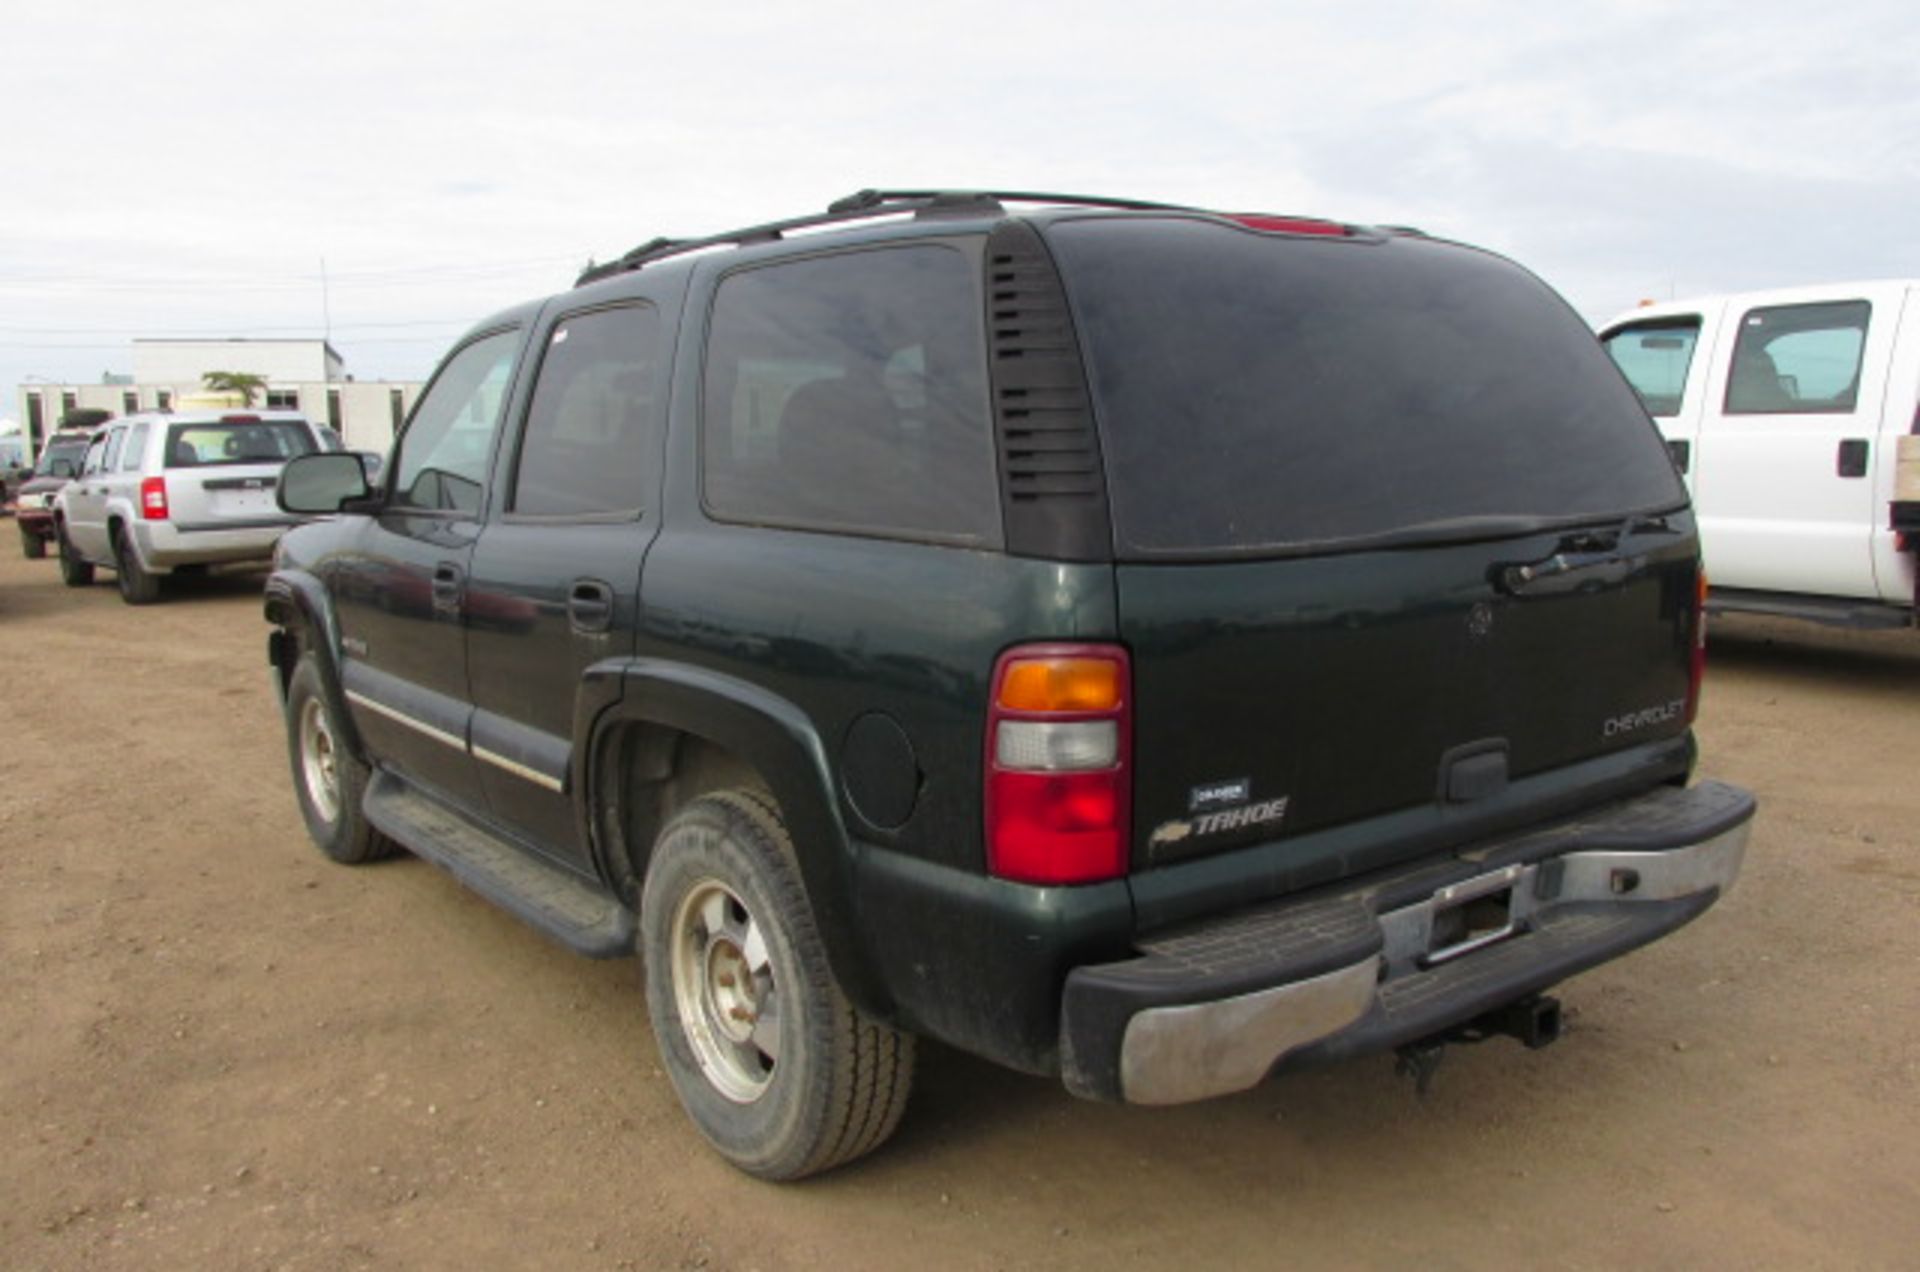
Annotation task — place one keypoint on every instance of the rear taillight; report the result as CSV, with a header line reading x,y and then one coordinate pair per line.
x,y
1058,794
1697,667
153,499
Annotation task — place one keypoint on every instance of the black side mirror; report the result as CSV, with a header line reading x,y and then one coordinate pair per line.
x,y
321,483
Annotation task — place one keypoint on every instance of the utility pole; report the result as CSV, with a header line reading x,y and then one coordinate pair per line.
x,y
326,305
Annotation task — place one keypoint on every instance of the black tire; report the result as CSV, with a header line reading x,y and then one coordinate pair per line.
x,y
137,585
74,571
837,1081
32,546
338,826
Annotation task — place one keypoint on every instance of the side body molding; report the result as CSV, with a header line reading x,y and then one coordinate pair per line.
x,y
766,731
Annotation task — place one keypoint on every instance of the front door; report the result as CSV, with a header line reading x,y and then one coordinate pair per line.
x,y
556,573
402,597
1784,462
86,498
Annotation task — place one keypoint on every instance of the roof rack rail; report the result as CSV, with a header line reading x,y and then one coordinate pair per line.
x,y
854,207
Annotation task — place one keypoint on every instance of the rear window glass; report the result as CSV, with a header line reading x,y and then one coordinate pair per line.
x,y
849,392
1260,393
254,442
1655,358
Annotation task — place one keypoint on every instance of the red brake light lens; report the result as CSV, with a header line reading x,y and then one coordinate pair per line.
x,y
1288,224
1058,789
153,499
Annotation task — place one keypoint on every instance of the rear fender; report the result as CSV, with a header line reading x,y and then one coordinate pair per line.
x,y
765,732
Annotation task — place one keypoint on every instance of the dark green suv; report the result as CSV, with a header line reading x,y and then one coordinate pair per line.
x,y
1131,643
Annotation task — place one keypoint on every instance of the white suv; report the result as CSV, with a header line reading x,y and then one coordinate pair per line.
x,y
160,491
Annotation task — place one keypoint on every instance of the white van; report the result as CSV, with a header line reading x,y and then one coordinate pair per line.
x,y
1789,413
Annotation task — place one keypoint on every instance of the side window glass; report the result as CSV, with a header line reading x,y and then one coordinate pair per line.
x,y
589,445
112,458
1655,359
91,464
848,392
135,448
442,462
1798,359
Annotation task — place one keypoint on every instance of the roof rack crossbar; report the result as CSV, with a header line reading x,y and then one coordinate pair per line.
x,y
854,207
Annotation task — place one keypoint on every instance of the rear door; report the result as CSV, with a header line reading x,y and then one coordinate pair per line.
x,y
1393,538
1788,440
556,572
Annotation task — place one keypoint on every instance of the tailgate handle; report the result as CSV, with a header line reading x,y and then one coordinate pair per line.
x,y
590,606
1852,459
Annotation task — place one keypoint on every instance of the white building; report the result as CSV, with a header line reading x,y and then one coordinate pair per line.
x,y
301,375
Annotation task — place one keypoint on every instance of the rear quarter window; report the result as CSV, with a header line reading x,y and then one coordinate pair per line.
x,y
848,392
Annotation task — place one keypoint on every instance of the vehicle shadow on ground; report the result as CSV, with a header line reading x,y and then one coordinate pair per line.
x,y
1816,657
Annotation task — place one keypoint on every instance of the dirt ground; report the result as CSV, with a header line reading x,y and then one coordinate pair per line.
x,y
219,1051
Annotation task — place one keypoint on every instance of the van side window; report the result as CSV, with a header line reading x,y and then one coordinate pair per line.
x,y
1798,359
1655,358
849,392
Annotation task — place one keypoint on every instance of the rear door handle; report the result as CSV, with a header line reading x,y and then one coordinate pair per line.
x,y
1682,454
590,606
446,588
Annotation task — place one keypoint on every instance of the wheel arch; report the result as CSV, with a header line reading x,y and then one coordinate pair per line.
x,y
675,731
302,615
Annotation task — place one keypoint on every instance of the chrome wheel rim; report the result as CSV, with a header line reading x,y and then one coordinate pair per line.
x,y
724,990
319,760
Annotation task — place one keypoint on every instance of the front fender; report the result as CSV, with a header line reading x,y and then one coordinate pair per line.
x,y
779,741
296,602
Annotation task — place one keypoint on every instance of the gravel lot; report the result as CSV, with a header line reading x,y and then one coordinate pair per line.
x,y
219,1051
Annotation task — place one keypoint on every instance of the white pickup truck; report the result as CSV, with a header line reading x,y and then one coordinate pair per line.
x,y
1792,415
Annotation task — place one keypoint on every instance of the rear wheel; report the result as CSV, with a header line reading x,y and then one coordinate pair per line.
x,y
778,1070
32,546
137,585
74,571
328,779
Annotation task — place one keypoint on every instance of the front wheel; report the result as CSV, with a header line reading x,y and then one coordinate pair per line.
x,y
75,571
778,1070
328,779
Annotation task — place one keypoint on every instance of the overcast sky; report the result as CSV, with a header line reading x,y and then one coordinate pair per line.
x,y
183,169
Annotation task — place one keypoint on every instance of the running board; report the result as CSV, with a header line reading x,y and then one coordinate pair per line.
x,y
568,909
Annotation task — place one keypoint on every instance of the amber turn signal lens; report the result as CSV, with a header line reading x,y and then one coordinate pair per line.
x,y
1061,684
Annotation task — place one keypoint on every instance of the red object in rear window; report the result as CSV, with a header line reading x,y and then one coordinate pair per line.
x,y
1288,224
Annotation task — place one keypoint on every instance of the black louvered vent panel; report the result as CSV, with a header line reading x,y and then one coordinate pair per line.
x,y
1052,486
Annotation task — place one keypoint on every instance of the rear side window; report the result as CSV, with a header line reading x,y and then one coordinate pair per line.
x,y
849,392
249,442
1655,358
135,449
1261,393
1798,359
590,445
